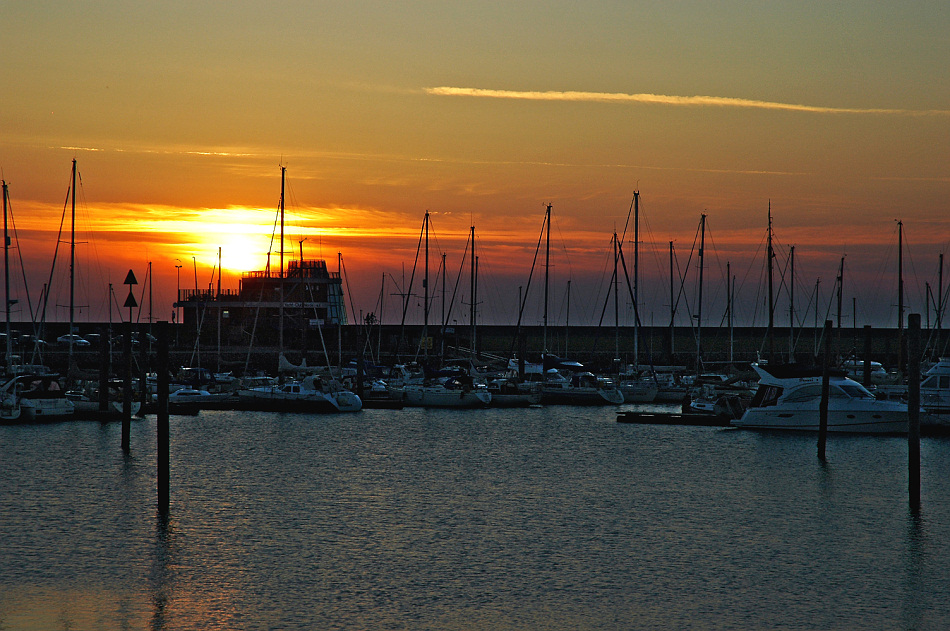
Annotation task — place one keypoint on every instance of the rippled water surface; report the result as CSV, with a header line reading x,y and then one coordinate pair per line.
x,y
548,518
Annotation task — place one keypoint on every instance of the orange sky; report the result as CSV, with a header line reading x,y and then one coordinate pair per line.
x,y
482,113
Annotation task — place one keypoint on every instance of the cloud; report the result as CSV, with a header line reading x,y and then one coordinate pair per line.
x,y
664,99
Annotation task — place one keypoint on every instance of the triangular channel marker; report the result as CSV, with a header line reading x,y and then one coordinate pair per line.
x,y
130,280
130,301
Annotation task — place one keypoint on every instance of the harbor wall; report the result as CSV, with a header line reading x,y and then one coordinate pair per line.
x,y
599,347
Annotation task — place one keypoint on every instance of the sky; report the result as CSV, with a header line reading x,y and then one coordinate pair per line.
x,y
836,116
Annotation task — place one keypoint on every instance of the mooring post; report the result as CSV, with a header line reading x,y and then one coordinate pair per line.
x,y
145,347
359,360
162,419
104,346
913,410
127,387
867,356
825,391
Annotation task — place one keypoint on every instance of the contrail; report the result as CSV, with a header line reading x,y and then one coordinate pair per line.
x,y
664,99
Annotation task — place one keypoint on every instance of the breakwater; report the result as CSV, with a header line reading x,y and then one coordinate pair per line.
x,y
386,344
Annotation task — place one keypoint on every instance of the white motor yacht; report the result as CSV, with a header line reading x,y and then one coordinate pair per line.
x,y
789,396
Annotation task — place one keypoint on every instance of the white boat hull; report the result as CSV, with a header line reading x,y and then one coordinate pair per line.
x,y
429,396
39,410
638,391
883,418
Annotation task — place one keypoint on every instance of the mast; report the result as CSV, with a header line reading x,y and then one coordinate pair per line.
x,y
940,295
444,323
840,289
567,319
791,306
339,313
475,311
729,289
900,294
280,278
617,306
425,292
8,352
547,273
636,278
217,299
472,289
283,174
672,305
72,263
699,313
771,259
379,320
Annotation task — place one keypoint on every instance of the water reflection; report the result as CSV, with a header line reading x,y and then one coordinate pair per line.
x,y
915,596
161,578
518,519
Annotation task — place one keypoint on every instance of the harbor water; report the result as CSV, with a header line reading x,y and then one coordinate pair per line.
x,y
541,518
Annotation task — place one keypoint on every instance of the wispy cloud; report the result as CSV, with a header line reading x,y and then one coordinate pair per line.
x,y
665,99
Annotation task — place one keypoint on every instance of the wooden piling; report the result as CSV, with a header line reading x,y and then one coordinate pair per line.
x,y
913,410
104,352
127,387
867,356
161,423
825,391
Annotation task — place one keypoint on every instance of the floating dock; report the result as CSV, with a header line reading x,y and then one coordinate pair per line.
x,y
672,418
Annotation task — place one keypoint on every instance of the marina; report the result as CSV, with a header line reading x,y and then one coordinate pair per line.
x,y
549,517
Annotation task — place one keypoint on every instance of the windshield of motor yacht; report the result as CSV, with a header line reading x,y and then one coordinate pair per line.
x,y
856,391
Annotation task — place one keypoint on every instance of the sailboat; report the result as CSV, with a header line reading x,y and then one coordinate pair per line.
x,y
42,396
632,385
563,382
306,391
9,402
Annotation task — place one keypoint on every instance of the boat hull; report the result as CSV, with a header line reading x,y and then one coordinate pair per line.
x,y
871,421
311,403
43,410
581,396
423,396
638,392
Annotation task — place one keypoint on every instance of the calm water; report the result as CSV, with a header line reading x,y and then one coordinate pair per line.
x,y
554,518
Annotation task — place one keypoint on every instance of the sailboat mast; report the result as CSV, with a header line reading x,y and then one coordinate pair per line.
x,y
280,278
547,273
791,306
729,303
567,319
699,312
283,174
471,307
217,300
617,305
672,305
771,263
444,324
475,312
840,289
900,294
636,278
6,277
425,292
940,295
900,276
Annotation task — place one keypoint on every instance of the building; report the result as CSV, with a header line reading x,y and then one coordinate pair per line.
x,y
275,310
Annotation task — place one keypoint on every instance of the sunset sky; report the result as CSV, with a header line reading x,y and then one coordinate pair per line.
x,y
181,113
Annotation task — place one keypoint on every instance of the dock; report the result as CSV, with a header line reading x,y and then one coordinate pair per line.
x,y
672,418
